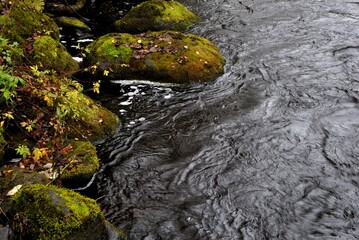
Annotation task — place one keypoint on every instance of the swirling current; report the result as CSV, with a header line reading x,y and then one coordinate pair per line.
x,y
269,150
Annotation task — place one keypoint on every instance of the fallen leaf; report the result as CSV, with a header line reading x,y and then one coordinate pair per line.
x,y
14,190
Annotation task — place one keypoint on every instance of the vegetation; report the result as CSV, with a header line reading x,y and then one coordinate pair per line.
x,y
45,122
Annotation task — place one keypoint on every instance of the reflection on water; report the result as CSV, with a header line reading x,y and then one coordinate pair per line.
x,y
267,151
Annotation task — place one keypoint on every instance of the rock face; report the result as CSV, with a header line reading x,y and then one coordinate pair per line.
x,y
51,54
164,56
42,212
156,15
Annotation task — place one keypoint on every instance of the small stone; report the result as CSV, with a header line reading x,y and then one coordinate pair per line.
x,y
48,165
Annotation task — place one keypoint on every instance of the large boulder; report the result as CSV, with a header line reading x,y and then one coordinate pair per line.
x,y
156,15
22,21
165,56
51,54
48,212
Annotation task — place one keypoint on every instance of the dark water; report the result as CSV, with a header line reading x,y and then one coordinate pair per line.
x,y
270,150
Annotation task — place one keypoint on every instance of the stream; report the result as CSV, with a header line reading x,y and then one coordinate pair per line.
x,y
269,150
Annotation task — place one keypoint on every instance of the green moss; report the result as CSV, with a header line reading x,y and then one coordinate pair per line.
x,y
109,47
94,123
23,22
156,15
165,56
53,213
51,54
84,163
73,23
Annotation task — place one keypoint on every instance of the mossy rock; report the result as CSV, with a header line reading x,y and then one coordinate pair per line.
x,y
51,213
51,54
94,122
156,15
72,23
165,56
84,163
23,22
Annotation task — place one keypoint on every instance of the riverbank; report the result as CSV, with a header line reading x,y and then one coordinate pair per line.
x,y
48,125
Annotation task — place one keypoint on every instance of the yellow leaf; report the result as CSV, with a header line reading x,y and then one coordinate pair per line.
x,y
29,128
96,87
38,153
106,72
8,115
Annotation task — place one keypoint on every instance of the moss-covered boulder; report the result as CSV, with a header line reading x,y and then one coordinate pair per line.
x,y
165,56
94,121
83,164
156,15
72,23
21,21
48,212
51,54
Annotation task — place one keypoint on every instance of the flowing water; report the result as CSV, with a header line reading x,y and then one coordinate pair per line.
x,y
270,150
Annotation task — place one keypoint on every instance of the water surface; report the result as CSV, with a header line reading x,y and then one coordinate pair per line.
x,y
267,151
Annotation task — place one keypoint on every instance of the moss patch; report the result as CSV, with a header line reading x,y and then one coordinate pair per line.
x,y
165,56
53,213
51,54
84,163
23,22
156,15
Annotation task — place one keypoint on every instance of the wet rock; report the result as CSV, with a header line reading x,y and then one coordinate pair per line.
x,y
83,163
4,233
156,15
165,56
65,8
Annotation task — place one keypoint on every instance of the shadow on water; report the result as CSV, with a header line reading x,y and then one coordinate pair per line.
x,y
267,151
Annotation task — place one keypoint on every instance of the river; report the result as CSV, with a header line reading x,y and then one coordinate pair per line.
x,y
269,150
